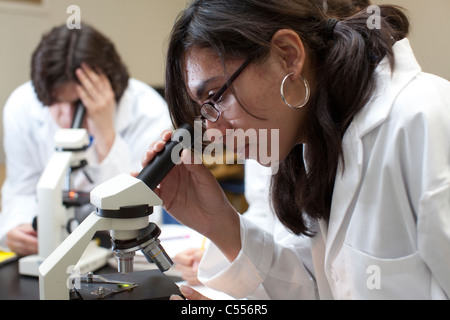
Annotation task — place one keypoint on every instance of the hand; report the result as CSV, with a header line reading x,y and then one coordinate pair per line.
x,y
187,263
98,97
192,195
189,294
23,240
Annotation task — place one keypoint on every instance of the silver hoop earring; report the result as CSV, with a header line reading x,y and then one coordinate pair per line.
x,y
306,95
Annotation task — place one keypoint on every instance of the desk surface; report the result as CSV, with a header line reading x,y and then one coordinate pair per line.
x,y
14,286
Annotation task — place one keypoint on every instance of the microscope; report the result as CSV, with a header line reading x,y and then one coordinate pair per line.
x,y
123,206
57,201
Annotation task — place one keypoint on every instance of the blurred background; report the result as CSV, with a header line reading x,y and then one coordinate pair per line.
x,y
140,28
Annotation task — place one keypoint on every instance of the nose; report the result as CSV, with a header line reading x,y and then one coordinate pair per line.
x,y
63,114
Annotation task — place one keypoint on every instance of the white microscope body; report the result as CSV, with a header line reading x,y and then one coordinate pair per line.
x,y
53,216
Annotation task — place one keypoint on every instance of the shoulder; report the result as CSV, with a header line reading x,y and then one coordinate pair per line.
x,y
138,88
425,98
141,104
23,92
139,97
22,99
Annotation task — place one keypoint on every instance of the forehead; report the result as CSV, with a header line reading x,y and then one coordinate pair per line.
x,y
201,67
65,93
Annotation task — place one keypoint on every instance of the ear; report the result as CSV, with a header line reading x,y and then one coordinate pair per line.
x,y
289,46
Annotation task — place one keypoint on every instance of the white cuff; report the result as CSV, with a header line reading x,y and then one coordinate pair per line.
x,y
243,276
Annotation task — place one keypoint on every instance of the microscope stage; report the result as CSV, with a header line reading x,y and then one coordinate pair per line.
x,y
139,285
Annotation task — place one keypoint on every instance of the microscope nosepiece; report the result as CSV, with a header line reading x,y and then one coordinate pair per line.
x,y
148,242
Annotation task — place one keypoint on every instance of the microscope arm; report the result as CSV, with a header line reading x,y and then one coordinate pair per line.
x,y
50,204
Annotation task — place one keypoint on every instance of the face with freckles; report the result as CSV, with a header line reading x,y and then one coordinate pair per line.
x,y
257,89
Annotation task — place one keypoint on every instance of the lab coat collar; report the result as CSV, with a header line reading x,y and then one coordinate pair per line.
x,y
389,85
377,110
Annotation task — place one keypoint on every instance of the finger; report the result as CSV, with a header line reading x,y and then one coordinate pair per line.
x,y
158,146
183,261
155,147
166,135
185,257
29,239
84,96
99,79
93,77
183,268
198,255
86,83
148,156
176,297
24,246
134,173
191,294
28,229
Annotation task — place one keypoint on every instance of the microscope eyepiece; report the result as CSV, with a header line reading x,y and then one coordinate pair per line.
x,y
164,161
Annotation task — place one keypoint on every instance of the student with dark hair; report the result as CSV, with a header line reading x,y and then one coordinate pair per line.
x,y
364,152
257,182
122,116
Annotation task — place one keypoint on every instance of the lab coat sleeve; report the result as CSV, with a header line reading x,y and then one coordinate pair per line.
x,y
431,150
264,268
23,164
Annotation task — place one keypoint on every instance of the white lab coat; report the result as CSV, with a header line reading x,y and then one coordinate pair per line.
x,y
28,141
389,231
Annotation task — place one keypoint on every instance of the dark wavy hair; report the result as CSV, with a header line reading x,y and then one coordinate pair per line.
x,y
344,60
61,52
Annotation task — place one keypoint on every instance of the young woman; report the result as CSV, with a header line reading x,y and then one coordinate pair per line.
x,y
364,150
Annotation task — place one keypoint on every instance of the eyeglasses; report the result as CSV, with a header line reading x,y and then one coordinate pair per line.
x,y
209,110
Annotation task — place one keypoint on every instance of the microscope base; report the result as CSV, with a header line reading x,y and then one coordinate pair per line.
x,y
93,259
150,285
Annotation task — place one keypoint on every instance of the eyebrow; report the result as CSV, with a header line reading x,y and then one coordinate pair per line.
x,y
202,87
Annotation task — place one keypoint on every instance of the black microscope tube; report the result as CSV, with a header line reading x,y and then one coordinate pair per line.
x,y
78,117
154,172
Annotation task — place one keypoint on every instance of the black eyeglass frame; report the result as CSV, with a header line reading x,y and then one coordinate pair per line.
x,y
211,103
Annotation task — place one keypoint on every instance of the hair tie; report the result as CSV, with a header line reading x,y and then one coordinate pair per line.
x,y
329,28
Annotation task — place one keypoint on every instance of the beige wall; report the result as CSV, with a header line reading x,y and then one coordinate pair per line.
x,y
140,28
430,32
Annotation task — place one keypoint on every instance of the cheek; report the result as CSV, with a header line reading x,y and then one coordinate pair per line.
x,y
264,100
